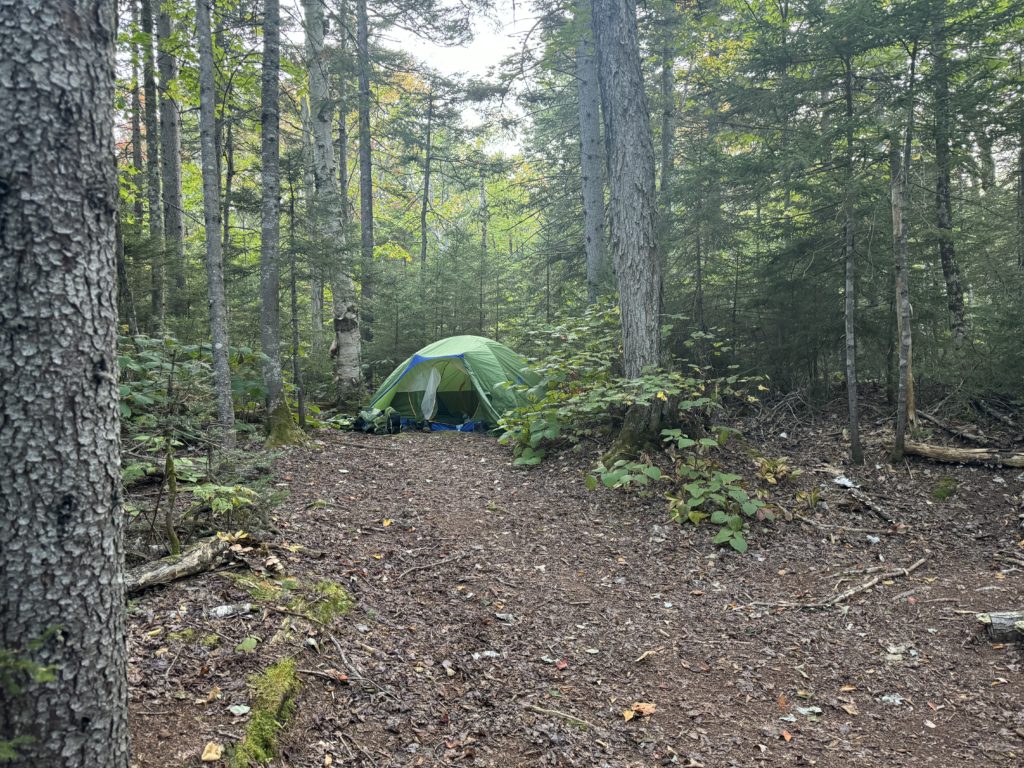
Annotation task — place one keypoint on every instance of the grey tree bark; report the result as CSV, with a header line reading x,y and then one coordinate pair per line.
x,y
899,162
850,309
154,196
327,205
627,125
170,160
366,271
211,216
280,429
943,202
61,554
591,161
138,209
316,282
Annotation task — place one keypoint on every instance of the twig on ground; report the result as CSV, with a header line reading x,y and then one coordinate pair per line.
x,y
848,528
563,715
439,563
851,592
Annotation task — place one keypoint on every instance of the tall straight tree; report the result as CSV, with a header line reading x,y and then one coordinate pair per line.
x,y
327,212
850,259
591,155
365,169
280,429
154,196
170,160
211,216
627,124
61,557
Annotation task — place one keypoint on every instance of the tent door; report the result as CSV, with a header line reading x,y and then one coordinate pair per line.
x,y
429,404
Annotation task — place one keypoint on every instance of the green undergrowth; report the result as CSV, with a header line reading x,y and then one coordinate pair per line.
x,y
945,488
273,704
321,602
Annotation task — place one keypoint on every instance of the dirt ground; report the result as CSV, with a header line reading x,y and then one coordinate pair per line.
x,y
510,618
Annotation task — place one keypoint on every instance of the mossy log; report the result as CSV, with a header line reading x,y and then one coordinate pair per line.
x,y
201,556
965,455
1003,626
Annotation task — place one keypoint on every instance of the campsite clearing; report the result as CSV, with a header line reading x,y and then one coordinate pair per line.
x,y
506,618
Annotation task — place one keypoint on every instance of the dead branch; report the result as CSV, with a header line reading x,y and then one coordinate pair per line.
x,y
965,455
963,434
407,571
202,556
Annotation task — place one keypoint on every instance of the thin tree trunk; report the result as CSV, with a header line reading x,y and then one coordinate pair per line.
x,y
943,204
425,204
591,161
698,283
62,552
329,212
484,216
850,309
125,300
211,211
138,208
229,184
365,169
170,158
153,193
300,394
668,100
280,429
900,183
631,174
316,282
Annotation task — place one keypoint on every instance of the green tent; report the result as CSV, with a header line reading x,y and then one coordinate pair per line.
x,y
455,380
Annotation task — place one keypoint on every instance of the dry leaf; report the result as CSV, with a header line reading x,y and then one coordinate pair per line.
x,y
628,714
850,708
328,761
561,664
782,702
848,688
212,752
644,709
386,522
787,736
929,723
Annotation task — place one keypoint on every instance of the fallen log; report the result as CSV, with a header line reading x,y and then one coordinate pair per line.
x,y
965,455
963,434
202,556
1003,626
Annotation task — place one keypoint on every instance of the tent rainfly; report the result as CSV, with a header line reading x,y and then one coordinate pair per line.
x,y
455,380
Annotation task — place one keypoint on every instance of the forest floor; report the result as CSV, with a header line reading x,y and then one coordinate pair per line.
x,y
504,617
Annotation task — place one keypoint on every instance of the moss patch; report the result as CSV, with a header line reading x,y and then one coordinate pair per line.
x,y
281,430
323,602
210,641
273,705
945,489
184,636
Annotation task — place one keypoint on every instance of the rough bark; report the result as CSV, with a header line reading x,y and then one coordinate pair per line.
x,y
366,267
899,162
631,177
280,428
138,208
211,215
591,161
328,212
125,299
1002,626
316,283
170,163
201,556
153,192
943,203
484,220
850,310
61,553
300,392
668,111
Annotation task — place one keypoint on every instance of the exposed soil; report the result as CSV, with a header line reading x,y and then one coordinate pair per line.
x,y
507,618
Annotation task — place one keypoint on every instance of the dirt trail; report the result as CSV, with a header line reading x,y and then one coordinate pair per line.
x,y
508,618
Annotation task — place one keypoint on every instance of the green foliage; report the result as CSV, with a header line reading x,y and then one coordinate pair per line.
x,y
273,704
226,506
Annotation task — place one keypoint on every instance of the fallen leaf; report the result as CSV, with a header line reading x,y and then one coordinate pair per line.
x,y
848,688
378,556
930,724
787,736
212,752
644,708
247,646
782,702
628,714
561,664
850,708
386,522
328,761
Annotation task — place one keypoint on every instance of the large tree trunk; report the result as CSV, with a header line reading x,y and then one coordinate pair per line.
x,y
211,211
850,309
153,193
899,161
631,177
316,282
170,158
329,212
61,554
591,161
280,429
943,204
366,268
